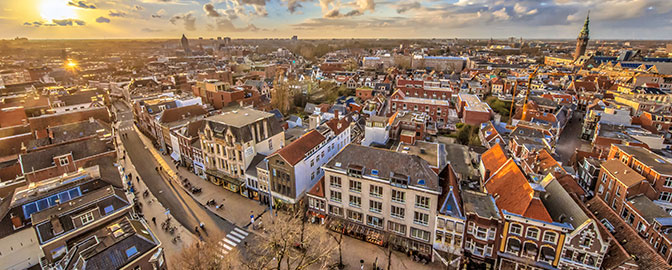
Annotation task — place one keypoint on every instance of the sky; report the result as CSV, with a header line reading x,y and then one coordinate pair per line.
x,y
74,19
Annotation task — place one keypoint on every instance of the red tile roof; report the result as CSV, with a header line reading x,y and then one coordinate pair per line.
x,y
296,151
318,189
514,193
493,159
12,117
338,125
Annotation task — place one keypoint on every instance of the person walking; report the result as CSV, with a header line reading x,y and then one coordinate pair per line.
x,y
154,220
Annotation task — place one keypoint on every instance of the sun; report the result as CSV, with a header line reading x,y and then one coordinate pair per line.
x,y
56,9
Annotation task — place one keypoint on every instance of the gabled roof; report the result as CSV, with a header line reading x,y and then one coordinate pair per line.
x,y
296,151
338,125
514,193
493,159
180,113
318,189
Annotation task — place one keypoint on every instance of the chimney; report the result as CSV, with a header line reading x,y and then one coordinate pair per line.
x,y
487,174
16,221
56,226
336,114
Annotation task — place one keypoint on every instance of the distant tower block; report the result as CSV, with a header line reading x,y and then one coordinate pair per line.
x,y
582,39
185,45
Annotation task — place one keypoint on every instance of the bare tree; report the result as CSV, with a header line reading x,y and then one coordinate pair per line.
x,y
281,96
339,241
204,255
283,247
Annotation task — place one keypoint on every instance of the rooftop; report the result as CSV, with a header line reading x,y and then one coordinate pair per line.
x,y
480,204
433,153
240,118
648,158
384,164
622,172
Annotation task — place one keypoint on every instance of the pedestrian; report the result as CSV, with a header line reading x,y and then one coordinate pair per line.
x,y
154,220
245,244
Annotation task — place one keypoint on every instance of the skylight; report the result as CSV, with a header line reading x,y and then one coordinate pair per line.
x,y
338,164
131,251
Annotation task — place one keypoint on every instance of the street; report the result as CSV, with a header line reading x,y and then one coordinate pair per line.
x,y
181,205
570,139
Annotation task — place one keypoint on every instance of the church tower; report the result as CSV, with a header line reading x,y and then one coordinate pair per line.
x,y
185,45
582,39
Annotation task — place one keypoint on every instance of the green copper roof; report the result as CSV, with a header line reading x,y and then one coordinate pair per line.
x,y
585,32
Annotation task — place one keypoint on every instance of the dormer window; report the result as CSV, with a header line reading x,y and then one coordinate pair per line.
x,y
63,161
399,180
374,172
355,170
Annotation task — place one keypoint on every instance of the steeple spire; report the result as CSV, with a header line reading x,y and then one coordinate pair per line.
x,y
585,32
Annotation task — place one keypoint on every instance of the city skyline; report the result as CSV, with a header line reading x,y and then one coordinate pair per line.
x,y
558,19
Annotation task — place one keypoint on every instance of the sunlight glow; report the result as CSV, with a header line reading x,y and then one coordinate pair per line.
x,y
71,64
56,9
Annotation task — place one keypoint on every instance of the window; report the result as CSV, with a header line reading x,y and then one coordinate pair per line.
x,y
516,229
397,212
63,161
334,181
336,196
513,245
355,186
86,218
550,237
481,233
398,196
585,241
374,221
316,204
376,191
355,201
421,218
421,202
440,223
335,210
665,196
375,206
420,234
668,182
355,216
532,233
396,227
131,251
438,236
108,209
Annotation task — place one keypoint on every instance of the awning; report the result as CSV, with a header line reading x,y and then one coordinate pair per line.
x,y
175,156
224,177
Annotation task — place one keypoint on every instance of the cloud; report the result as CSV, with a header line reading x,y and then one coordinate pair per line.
x,y
501,14
188,20
401,8
81,4
210,10
35,23
159,13
150,30
117,13
102,19
68,22
226,25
